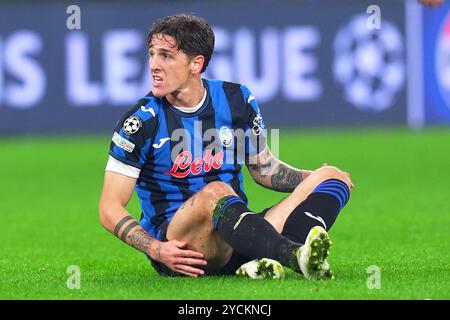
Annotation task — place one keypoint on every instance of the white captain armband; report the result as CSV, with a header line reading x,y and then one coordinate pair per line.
x,y
117,166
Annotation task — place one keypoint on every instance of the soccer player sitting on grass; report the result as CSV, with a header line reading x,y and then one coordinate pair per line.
x,y
174,148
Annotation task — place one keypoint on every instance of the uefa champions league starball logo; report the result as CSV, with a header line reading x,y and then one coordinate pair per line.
x,y
132,125
443,59
369,64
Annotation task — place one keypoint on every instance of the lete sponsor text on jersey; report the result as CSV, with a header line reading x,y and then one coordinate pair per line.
x,y
184,164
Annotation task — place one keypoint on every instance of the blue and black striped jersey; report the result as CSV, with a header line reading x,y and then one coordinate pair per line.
x,y
178,153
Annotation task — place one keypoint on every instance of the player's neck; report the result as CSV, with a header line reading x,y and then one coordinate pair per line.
x,y
188,97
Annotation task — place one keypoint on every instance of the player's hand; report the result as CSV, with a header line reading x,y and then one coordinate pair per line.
x,y
431,3
177,258
352,186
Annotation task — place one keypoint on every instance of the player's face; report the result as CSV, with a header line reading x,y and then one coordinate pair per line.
x,y
170,67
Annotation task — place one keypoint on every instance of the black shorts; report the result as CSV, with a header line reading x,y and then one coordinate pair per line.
x,y
236,259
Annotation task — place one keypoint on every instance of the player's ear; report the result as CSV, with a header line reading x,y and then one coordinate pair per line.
x,y
197,64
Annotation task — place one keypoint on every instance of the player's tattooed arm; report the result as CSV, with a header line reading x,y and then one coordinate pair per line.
x,y
261,167
174,254
116,194
285,178
274,174
140,239
129,231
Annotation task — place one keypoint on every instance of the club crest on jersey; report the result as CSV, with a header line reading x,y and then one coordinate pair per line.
x,y
184,164
132,125
226,136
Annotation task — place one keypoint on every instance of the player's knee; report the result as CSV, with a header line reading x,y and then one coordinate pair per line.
x,y
216,190
207,198
330,172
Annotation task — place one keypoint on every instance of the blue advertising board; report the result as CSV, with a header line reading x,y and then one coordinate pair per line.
x,y
308,64
437,64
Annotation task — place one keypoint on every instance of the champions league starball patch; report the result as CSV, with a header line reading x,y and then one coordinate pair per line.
x,y
132,125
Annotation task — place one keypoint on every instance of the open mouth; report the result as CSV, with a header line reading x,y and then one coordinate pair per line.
x,y
157,80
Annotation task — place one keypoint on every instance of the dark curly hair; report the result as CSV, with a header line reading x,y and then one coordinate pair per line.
x,y
193,35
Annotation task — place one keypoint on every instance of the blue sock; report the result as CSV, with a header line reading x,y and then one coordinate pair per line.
x,y
321,208
335,188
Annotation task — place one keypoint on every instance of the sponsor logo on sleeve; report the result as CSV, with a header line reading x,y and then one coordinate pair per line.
x,y
123,143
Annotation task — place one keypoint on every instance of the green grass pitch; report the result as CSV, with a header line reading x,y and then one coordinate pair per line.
x,y
398,219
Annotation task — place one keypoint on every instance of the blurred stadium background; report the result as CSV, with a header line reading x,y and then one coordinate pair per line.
x,y
374,101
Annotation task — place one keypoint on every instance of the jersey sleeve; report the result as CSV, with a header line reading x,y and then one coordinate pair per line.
x,y
256,135
133,136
